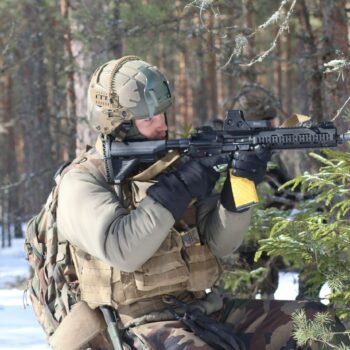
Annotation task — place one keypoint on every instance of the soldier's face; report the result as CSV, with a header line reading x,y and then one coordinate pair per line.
x,y
154,128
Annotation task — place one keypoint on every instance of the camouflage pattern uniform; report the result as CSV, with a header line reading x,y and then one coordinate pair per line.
x,y
261,324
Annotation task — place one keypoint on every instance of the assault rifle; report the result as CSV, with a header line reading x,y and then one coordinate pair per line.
x,y
236,134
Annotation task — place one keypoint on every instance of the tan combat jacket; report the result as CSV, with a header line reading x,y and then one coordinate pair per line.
x,y
124,255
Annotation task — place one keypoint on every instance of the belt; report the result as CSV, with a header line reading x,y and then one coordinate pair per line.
x,y
138,309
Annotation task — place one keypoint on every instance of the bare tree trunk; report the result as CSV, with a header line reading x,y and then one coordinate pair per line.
x,y
182,91
288,105
33,110
85,66
311,49
219,79
277,73
70,120
55,102
249,18
115,40
7,155
302,93
200,100
335,45
10,161
2,219
212,82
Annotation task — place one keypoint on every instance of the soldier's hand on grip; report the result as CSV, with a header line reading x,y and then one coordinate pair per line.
x,y
194,179
246,164
199,175
251,164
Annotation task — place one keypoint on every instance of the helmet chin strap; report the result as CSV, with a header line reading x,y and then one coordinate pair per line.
x,y
134,133
129,131
122,131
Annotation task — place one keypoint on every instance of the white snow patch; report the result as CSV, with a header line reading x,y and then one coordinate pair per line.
x,y
324,294
287,286
19,328
13,266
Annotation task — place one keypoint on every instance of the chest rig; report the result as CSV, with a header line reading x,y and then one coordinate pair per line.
x,y
182,262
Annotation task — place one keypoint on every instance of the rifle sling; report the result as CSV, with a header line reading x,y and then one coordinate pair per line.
x,y
152,171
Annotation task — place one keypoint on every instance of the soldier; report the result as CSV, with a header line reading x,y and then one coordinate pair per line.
x,y
147,249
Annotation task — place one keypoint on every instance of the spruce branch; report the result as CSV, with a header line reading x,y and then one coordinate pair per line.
x,y
318,233
317,330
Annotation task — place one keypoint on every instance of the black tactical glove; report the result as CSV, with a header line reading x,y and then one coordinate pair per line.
x,y
247,164
194,179
199,175
251,165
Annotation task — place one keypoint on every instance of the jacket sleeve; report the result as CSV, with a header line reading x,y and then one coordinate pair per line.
x,y
222,230
90,216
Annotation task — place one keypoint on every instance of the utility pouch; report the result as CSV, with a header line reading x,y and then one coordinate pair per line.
x,y
204,268
166,267
79,327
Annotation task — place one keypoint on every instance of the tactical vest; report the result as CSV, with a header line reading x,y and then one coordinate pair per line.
x,y
182,262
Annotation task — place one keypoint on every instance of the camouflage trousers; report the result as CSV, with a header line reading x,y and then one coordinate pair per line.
x,y
260,324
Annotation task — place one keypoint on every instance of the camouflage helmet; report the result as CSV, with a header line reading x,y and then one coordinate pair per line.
x,y
125,89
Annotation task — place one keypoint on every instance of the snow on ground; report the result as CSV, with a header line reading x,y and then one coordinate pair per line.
x,y
18,327
13,266
288,290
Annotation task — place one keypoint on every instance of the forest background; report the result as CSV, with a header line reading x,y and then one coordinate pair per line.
x,y
292,53
50,48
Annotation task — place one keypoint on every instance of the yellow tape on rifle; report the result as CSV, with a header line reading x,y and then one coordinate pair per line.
x,y
295,120
243,191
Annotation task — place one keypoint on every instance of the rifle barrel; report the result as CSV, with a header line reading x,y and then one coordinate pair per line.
x,y
345,137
